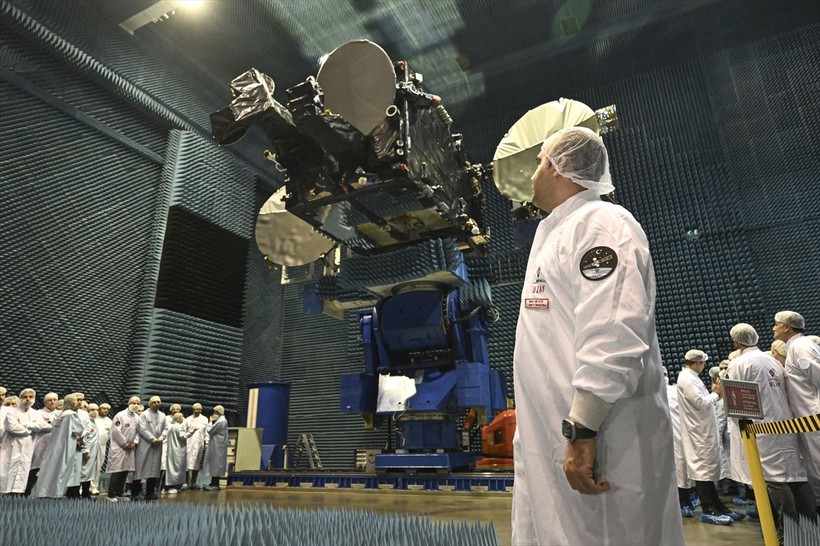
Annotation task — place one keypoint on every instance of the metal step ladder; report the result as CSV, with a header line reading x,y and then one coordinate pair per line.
x,y
307,443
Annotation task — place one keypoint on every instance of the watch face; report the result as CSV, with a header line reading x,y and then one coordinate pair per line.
x,y
567,429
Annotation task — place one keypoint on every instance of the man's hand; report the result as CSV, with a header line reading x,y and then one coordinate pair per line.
x,y
717,387
578,461
86,457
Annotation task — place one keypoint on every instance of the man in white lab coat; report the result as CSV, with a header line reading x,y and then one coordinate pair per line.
x,y
783,470
41,438
20,423
196,443
152,430
701,442
685,485
216,454
803,380
103,422
586,350
60,472
123,441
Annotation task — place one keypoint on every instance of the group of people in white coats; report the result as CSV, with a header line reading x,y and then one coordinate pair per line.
x,y
145,444
52,451
788,388
66,447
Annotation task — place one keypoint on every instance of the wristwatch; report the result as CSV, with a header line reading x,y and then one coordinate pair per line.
x,y
573,432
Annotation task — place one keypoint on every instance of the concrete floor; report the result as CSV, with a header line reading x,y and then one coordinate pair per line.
x,y
438,505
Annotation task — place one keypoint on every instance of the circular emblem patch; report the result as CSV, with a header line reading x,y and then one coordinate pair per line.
x,y
598,263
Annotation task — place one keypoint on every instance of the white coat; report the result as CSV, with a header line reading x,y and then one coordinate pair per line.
x,y
91,441
3,410
151,427
779,453
41,438
803,388
104,434
18,448
123,431
216,456
196,442
680,461
699,431
61,461
176,441
598,336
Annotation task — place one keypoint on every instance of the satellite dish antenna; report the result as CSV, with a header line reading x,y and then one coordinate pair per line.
x,y
515,157
286,239
359,83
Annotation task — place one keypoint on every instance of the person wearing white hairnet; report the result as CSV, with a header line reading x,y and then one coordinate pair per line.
x,y
723,435
91,450
196,444
593,452
685,486
783,470
216,454
103,422
41,439
803,380
701,443
152,428
124,440
176,441
60,472
173,409
778,351
20,423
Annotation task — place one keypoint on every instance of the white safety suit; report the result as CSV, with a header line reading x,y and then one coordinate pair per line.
x,y
680,461
151,427
176,468
123,431
62,459
18,448
592,331
103,434
779,453
196,442
91,441
216,456
699,430
41,438
803,387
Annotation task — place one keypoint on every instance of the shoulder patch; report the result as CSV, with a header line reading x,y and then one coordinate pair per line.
x,y
598,263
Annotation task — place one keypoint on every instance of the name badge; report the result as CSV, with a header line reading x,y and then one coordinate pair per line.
x,y
537,303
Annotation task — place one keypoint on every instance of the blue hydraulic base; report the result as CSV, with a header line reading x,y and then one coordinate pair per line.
x,y
424,461
487,482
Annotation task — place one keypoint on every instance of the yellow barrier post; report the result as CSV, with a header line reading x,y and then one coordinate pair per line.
x,y
764,509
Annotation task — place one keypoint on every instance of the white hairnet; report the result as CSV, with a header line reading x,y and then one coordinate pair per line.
x,y
745,334
696,355
579,154
815,339
177,418
219,409
779,347
714,372
790,318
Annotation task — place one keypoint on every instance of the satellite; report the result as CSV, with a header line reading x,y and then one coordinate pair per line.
x,y
368,156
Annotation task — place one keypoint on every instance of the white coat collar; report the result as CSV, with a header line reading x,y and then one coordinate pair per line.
x,y
569,206
791,339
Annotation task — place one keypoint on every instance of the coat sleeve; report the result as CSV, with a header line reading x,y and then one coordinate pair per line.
x,y
614,315
13,425
695,397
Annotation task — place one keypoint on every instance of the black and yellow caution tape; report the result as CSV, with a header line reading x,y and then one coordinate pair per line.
x,y
787,426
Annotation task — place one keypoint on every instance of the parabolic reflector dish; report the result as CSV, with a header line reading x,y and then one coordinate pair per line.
x,y
515,157
286,239
359,83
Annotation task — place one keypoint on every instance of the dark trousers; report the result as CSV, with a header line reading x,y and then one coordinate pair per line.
x,y
85,489
117,483
32,480
792,498
685,497
710,503
150,487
